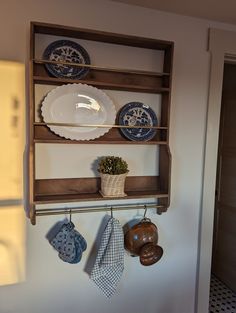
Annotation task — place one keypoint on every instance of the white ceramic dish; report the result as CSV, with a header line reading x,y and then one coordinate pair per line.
x,y
81,104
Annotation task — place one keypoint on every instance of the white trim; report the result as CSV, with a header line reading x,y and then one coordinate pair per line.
x,y
221,43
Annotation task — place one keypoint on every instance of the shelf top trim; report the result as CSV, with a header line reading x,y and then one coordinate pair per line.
x,y
94,35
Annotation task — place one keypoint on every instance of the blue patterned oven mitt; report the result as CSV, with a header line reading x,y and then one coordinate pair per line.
x,y
68,242
109,264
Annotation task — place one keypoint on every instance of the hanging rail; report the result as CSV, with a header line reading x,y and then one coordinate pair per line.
x,y
94,125
75,210
101,68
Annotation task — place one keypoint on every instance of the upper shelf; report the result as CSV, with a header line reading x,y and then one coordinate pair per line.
x,y
109,78
102,68
113,38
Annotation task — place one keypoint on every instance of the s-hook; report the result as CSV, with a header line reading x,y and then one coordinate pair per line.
x,y
70,215
145,211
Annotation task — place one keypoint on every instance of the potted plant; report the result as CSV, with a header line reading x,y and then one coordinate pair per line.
x,y
113,171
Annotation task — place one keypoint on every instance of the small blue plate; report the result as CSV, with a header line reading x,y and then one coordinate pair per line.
x,y
66,51
137,114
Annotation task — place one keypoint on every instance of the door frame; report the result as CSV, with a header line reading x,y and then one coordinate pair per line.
x,y
222,46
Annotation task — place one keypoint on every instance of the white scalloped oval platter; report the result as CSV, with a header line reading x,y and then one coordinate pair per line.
x,y
81,104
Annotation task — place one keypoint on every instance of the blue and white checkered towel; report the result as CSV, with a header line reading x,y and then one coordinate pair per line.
x,y
109,264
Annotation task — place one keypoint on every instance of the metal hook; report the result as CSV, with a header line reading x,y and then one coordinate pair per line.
x,y
111,212
145,211
70,215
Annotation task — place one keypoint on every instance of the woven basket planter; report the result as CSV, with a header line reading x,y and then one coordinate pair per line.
x,y
113,185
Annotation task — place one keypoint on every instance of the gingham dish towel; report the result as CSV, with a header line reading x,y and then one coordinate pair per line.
x,y
109,264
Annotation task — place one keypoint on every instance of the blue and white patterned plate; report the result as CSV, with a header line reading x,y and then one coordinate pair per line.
x,y
137,114
66,51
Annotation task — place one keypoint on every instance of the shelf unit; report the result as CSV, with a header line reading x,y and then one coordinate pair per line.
x,y
64,190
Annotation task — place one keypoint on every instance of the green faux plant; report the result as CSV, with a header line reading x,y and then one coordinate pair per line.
x,y
112,165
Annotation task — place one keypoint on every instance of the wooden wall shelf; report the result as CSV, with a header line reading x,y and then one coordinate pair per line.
x,y
65,190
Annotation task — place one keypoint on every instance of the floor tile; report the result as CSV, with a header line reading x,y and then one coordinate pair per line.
x,y
222,299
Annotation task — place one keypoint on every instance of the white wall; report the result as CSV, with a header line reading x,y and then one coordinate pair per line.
x,y
169,286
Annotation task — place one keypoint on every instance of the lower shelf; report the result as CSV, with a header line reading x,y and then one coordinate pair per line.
x,y
87,189
95,197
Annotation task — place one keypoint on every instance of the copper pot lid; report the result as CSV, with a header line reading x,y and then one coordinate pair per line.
x,y
150,254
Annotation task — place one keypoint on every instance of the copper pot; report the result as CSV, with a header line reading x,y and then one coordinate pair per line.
x,y
141,240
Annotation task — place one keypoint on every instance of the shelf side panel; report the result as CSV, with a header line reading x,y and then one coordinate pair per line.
x,y
165,174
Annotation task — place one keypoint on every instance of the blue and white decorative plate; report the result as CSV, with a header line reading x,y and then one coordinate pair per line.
x,y
66,51
137,114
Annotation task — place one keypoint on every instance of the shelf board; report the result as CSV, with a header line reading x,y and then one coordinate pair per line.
x,y
94,35
78,125
117,142
87,189
100,84
103,68
44,199
42,134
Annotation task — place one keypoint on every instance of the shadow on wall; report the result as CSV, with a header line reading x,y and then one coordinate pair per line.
x,y
12,245
12,217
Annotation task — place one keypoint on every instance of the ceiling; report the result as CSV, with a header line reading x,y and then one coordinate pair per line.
x,y
218,10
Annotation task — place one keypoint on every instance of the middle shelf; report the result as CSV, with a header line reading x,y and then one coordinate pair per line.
x,y
42,134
